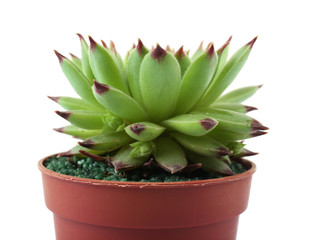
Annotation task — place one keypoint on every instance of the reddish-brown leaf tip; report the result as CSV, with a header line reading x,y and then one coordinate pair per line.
x,y
158,53
61,130
192,167
223,151
60,56
93,43
87,144
93,156
133,46
260,86
137,128
64,115
73,56
112,45
251,43
104,44
56,99
66,154
200,48
81,38
226,44
210,50
180,53
208,123
139,47
257,133
250,108
100,87
256,125
246,153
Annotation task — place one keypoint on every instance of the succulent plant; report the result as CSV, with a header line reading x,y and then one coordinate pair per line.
x,y
158,105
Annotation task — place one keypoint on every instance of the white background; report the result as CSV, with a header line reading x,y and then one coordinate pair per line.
x,y
280,203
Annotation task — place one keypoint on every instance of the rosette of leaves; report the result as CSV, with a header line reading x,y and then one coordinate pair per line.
x,y
158,105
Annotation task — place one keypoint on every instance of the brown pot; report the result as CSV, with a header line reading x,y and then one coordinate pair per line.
x,y
87,209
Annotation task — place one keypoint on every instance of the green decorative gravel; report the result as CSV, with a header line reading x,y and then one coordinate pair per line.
x,y
88,168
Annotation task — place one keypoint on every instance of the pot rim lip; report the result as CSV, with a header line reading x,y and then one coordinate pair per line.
x,y
105,183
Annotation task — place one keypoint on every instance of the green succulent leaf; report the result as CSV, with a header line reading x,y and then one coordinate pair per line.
x,y
169,155
124,161
133,70
107,142
75,151
144,131
77,61
222,54
197,53
183,60
105,67
78,80
142,149
116,55
238,95
191,124
226,136
234,121
119,103
227,75
235,107
78,132
210,163
70,103
83,119
86,69
204,145
159,83
196,80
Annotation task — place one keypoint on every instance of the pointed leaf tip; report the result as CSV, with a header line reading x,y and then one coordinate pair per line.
x,y
158,53
64,115
56,99
250,108
251,43
200,48
260,86
81,38
93,43
222,151
180,53
93,156
66,154
210,50
139,47
87,144
60,56
226,44
247,153
257,133
73,56
61,130
112,45
101,88
104,44
256,125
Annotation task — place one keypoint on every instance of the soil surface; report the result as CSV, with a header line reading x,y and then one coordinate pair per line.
x,y
88,168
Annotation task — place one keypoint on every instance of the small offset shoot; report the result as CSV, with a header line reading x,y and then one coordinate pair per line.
x,y
158,108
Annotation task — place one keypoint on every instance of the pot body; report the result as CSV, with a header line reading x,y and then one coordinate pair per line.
x,y
86,209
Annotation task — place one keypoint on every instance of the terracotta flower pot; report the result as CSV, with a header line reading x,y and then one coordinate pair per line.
x,y
86,209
